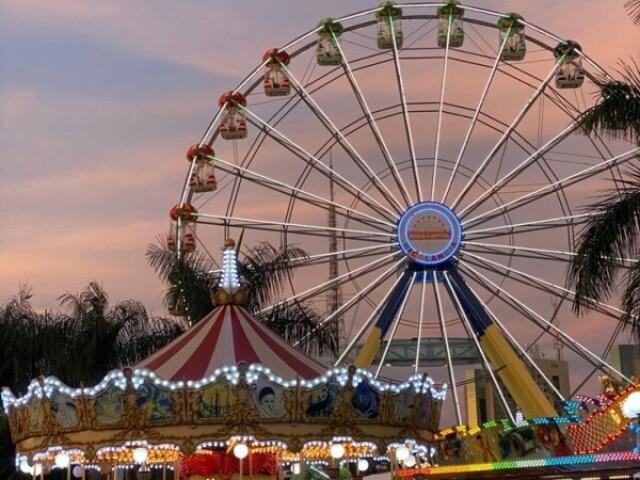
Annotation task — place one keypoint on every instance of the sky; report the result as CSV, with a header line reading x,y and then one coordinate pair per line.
x,y
100,100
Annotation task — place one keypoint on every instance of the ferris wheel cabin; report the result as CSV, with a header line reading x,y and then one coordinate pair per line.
x,y
450,31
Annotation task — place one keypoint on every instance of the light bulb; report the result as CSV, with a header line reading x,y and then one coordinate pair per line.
x,y
631,406
363,464
240,450
25,467
337,450
62,460
402,453
410,461
140,455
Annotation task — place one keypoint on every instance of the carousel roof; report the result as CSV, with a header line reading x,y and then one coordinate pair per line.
x,y
227,336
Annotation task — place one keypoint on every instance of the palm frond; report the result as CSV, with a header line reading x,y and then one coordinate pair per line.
x,y
633,9
631,301
189,277
299,322
610,234
617,112
264,269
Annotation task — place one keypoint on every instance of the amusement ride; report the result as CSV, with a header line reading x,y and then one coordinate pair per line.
x,y
427,158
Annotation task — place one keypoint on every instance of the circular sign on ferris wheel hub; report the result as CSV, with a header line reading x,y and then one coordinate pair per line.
x,y
429,233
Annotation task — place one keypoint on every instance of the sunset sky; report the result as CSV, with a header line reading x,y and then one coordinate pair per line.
x,y
100,100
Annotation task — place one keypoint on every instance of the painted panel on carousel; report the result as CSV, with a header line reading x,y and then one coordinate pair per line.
x,y
109,406
323,399
366,401
64,409
214,401
155,403
36,416
403,405
267,399
429,411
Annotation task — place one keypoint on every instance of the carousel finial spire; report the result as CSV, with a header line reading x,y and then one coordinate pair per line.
x,y
230,291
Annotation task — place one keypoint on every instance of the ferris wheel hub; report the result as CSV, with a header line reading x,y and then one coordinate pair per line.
x,y
429,233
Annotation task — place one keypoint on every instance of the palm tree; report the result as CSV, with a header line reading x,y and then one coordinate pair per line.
x,y
104,338
264,270
613,231
79,346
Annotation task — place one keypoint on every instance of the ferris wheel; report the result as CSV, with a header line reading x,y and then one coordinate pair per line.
x,y
426,158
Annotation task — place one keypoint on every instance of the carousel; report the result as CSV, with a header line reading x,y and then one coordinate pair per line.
x,y
229,398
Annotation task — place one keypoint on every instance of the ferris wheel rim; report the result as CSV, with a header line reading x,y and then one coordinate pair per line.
x,y
469,259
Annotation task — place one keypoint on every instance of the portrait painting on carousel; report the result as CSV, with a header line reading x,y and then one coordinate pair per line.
x,y
322,401
64,409
214,401
109,406
267,399
155,403
366,401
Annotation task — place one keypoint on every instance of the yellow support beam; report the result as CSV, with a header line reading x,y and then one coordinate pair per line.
x,y
369,350
515,375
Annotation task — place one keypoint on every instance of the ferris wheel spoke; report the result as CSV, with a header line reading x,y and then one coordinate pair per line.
x,y
405,111
555,255
506,135
368,323
348,254
342,140
523,227
339,280
360,295
319,166
514,253
420,321
355,256
271,183
548,324
467,325
443,83
530,160
555,186
445,339
247,222
474,119
396,322
558,290
514,342
373,124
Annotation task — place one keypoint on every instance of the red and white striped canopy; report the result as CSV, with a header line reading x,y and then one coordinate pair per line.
x,y
227,336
